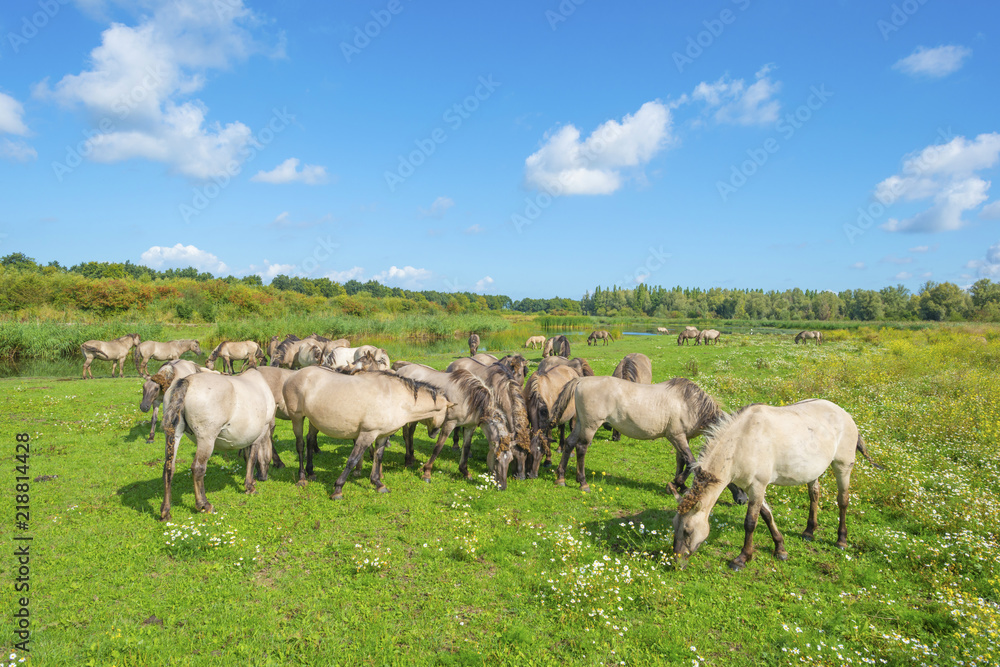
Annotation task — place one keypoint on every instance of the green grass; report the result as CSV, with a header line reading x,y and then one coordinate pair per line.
x,y
469,575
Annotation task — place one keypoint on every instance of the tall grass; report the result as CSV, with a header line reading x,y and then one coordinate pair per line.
x,y
50,340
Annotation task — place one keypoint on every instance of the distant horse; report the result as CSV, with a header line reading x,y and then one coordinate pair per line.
x,y
578,364
473,344
364,407
215,410
287,351
155,387
151,349
547,349
474,405
342,357
535,340
809,335
114,351
599,334
706,336
560,346
540,395
634,367
677,409
247,350
687,334
662,330
272,345
761,445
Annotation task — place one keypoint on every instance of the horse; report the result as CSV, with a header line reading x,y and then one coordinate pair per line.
x,y
662,330
247,350
287,351
761,445
535,340
578,363
687,334
634,367
599,334
706,336
399,363
540,394
547,349
473,344
114,351
809,335
272,345
216,410
485,358
517,365
560,346
473,406
151,349
676,409
155,387
342,357
364,407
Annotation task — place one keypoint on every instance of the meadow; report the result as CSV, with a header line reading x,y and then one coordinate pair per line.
x,y
456,572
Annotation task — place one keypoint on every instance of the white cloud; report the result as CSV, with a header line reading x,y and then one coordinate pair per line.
x,y
991,211
140,74
407,277
475,229
935,63
920,248
858,265
437,209
11,112
17,150
282,219
566,166
944,174
269,271
482,285
288,172
736,103
343,276
903,275
182,256
990,266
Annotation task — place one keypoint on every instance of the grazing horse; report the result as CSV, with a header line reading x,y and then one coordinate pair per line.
x,y
517,365
706,336
287,352
634,367
599,334
364,407
155,387
761,445
151,349
560,346
473,344
342,357
809,335
687,334
579,364
535,340
247,350
473,406
114,351
662,330
677,409
540,395
547,349
215,410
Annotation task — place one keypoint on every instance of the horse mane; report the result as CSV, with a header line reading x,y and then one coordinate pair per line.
x,y
630,371
215,352
565,396
702,480
162,381
706,408
509,399
478,397
413,385
534,403
283,347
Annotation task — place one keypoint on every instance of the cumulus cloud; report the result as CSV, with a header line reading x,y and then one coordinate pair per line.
x,y
288,172
11,116
934,63
903,275
991,211
182,256
989,267
482,285
407,277
437,209
269,270
736,103
353,273
565,165
140,77
17,150
944,174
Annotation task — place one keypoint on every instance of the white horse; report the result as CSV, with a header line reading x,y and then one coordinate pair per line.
x,y
762,445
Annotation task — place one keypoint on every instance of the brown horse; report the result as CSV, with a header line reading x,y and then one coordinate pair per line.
x,y
473,344
540,394
634,367
686,335
151,349
247,350
547,349
599,334
560,346
707,336
114,351
809,335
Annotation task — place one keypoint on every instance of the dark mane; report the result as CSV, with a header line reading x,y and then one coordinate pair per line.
x,y
478,396
705,407
215,352
283,347
584,368
702,480
629,371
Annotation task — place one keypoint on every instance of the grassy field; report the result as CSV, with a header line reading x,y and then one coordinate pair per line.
x,y
455,572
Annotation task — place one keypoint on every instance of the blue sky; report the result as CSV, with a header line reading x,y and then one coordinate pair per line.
x,y
524,148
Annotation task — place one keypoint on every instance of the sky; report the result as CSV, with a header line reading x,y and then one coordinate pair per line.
x,y
532,149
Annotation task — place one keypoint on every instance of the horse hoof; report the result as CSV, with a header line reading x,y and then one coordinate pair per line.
x,y
781,555
841,545
301,483
208,509
585,488
337,495
808,537
279,465
426,479
547,464
560,482
149,441
736,565
383,489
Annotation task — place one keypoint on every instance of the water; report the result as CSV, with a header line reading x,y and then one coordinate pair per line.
x,y
638,333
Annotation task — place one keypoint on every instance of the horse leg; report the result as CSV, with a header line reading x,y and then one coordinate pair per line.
x,y
564,460
443,433
376,476
779,541
360,445
684,460
812,522
297,423
454,438
843,499
275,459
739,497
581,473
198,467
311,436
463,464
173,442
408,431
749,523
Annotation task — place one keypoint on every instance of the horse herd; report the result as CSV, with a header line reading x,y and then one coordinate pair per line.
x,y
325,386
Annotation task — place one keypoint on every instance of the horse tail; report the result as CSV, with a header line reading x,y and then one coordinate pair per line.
x,y
864,451
586,369
565,396
137,358
173,415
